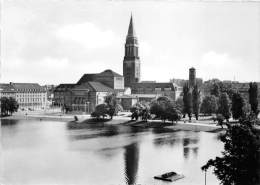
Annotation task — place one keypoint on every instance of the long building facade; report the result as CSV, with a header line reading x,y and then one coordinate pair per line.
x,y
28,95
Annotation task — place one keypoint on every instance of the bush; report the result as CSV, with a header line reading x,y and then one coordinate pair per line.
x,y
164,108
101,110
209,105
140,109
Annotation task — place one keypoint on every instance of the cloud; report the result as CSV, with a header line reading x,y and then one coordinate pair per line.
x,y
88,35
220,65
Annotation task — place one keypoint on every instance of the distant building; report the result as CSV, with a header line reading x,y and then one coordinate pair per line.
x,y
156,89
192,77
89,91
28,95
107,77
7,90
63,95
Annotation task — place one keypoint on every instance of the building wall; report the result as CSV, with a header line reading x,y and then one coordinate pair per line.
x,y
131,71
34,100
7,94
127,103
119,83
158,91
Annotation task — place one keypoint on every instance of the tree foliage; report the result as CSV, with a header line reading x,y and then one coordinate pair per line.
x,y
215,90
101,110
253,92
110,108
209,105
165,109
224,106
140,109
239,163
238,106
196,101
111,103
8,106
187,101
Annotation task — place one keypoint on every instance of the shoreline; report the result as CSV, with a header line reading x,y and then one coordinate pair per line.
x,y
121,120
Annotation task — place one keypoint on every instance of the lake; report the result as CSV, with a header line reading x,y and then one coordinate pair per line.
x,y
49,153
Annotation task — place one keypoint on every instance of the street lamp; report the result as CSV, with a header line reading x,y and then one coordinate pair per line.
x,y
88,106
205,177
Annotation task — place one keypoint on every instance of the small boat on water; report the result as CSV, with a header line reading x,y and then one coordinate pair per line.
x,y
170,176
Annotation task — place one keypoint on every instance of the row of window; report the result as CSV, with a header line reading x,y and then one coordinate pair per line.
x,y
30,100
28,95
155,89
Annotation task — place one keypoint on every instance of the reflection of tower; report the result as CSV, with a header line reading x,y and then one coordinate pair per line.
x,y
131,64
192,77
131,163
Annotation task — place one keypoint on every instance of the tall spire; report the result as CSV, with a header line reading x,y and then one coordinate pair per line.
x,y
131,30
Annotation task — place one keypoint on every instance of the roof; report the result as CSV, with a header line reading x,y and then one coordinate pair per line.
x,y
7,88
23,86
93,86
154,85
86,78
99,87
64,87
131,30
109,73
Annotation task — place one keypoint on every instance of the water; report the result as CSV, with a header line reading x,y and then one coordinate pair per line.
x,y
46,152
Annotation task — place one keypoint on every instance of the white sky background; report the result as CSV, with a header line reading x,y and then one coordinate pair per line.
x,y
57,41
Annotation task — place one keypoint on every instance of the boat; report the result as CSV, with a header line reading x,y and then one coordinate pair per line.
x,y
170,176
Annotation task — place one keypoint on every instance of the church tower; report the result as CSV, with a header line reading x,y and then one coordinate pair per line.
x,y
131,64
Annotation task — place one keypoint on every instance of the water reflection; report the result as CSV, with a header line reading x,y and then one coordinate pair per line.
x,y
190,144
131,157
169,139
51,153
96,131
8,122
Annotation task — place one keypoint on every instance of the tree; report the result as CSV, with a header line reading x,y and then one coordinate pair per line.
x,y
4,106
238,104
164,108
253,92
179,104
187,101
8,106
215,90
101,110
224,106
172,112
13,105
112,104
158,108
196,101
140,109
226,88
209,105
239,163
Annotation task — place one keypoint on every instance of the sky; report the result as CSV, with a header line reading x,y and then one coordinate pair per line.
x,y
57,41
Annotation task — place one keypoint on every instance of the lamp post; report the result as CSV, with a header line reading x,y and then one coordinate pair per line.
x,y
88,106
85,107
205,177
